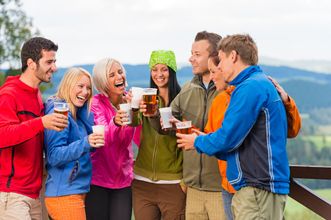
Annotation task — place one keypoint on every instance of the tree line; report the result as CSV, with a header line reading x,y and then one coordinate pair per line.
x,y
303,152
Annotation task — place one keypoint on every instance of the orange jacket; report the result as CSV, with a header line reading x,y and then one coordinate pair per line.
x,y
216,116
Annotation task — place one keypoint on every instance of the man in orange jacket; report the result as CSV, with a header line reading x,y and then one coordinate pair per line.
x,y
216,115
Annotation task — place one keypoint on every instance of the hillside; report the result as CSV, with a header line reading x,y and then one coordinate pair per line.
x,y
308,88
139,74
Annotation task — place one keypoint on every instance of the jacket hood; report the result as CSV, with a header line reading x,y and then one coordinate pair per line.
x,y
14,82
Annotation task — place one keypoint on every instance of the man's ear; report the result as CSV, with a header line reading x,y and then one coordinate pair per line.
x,y
31,64
234,56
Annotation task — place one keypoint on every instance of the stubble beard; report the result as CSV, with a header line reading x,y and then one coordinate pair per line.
x,y
42,75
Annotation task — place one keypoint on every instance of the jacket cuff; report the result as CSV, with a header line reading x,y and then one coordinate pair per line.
x,y
87,146
37,125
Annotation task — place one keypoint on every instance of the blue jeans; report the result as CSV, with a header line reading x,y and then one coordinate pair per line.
x,y
227,199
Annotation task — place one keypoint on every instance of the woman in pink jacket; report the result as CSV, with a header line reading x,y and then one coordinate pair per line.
x,y
112,165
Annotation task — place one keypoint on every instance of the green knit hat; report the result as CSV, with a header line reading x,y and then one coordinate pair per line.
x,y
166,57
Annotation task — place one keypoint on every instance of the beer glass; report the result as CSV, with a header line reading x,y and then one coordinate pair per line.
x,y
184,127
61,108
149,98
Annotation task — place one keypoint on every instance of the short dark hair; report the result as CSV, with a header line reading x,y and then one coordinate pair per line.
x,y
243,44
173,85
212,38
33,48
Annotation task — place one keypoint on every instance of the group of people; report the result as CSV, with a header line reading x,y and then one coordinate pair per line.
x,y
233,166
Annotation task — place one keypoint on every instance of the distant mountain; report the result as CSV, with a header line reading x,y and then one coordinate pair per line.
x,y
309,95
284,73
308,88
322,66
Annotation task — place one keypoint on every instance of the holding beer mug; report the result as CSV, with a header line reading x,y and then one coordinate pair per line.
x,y
149,98
159,160
186,134
68,152
61,108
184,127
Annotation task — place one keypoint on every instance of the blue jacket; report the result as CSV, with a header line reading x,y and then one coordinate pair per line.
x,y
253,135
68,155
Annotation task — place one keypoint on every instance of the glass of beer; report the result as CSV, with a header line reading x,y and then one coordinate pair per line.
x,y
184,127
61,108
149,98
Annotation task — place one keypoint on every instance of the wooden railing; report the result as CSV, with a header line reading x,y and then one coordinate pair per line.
x,y
304,195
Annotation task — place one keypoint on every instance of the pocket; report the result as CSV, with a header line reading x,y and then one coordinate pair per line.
x,y
74,172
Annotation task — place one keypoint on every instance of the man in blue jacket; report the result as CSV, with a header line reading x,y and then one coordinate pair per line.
x,y
252,137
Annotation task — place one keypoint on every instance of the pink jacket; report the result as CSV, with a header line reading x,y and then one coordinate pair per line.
x,y
112,164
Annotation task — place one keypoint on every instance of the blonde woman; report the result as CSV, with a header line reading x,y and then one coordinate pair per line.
x,y
68,151
110,196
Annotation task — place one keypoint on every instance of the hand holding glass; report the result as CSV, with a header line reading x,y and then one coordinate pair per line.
x,y
127,108
149,98
99,129
184,127
61,108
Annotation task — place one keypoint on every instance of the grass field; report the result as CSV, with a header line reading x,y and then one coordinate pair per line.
x,y
295,210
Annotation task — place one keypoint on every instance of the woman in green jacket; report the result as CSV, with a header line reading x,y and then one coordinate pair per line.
x,y
158,168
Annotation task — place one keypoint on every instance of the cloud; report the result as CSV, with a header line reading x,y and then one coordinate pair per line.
x,y
129,30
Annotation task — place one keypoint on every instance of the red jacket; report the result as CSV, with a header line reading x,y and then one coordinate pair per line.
x,y
21,138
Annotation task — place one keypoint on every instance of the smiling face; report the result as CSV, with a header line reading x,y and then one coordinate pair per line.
x,y
227,65
81,91
116,80
216,75
199,57
45,67
160,75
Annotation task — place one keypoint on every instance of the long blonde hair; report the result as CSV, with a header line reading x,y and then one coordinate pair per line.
x,y
67,84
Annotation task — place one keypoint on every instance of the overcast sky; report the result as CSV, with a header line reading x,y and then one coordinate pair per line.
x,y
128,30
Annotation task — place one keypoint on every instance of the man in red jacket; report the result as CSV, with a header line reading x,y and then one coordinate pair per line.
x,y
22,124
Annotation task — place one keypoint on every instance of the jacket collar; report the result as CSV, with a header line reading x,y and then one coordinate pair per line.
x,y
243,75
197,80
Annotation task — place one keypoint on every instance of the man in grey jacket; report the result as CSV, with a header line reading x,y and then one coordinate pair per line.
x,y
200,172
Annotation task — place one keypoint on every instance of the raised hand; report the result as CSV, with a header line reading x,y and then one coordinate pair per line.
x,y
96,140
55,121
121,117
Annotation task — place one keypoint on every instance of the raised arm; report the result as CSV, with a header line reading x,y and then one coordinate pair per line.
x,y
292,112
113,132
